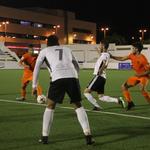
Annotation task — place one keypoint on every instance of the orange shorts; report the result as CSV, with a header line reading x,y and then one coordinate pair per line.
x,y
27,76
134,80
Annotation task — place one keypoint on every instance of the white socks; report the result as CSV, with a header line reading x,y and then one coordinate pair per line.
x,y
47,121
91,99
108,99
81,115
83,120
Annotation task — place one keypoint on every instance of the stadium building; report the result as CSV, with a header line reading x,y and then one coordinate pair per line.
x,y
19,27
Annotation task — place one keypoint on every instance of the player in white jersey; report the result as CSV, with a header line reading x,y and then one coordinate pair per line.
x,y
97,84
64,72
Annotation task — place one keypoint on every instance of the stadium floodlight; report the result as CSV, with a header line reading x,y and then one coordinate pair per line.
x,y
105,30
142,31
5,23
56,27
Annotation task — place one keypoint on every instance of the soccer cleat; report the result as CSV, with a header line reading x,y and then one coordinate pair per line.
x,y
89,140
97,108
130,105
44,140
20,99
121,102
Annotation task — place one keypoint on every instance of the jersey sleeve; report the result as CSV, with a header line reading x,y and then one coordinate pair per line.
x,y
38,64
24,57
130,56
75,63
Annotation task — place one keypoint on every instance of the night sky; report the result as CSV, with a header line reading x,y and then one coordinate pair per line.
x,y
124,17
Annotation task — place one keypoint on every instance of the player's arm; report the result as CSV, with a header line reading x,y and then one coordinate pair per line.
x,y
75,63
123,58
102,67
22,63
37,67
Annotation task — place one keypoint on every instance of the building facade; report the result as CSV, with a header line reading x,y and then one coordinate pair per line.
x,y
20,27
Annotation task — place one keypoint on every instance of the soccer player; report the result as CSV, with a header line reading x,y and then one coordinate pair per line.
x,y
97,84
28,61
141,67
64,79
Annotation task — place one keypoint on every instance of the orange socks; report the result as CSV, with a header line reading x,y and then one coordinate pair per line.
x,y
146,96
39,90
127,95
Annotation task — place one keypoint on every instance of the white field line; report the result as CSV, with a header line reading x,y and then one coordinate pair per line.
x,y
102,112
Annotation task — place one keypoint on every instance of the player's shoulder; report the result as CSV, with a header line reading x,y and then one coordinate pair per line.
x,y
105,55
143,55
132,56
26,55
44,50
144,58
50,48
63,47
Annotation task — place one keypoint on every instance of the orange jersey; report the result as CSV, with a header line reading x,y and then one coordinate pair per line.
x,y
29,60
139,63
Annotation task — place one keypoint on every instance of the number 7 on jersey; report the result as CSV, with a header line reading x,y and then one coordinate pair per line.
x,y
60,53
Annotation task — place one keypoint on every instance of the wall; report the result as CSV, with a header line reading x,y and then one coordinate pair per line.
x,y
45,18
86,54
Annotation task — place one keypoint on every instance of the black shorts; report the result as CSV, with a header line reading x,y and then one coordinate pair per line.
x,y
97,84
59,87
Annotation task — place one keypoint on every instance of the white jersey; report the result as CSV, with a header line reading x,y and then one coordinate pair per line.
x,y
59,61
104,56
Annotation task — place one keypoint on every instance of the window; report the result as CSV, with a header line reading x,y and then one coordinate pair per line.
x,y
38,25
25,23
23,36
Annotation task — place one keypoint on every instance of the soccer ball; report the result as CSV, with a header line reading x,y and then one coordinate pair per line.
x,y
41,99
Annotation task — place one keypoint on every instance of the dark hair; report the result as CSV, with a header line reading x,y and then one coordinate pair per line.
x,y
52,40
106,44
138,45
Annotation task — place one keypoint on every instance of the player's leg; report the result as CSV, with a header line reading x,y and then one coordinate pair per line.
x,y
23,89
56,94
39,90
27,77
47,121
106,98
91,99
84,122
73,85
110,99
95,84
131,82
25,82
143,85
100,85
